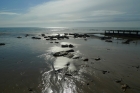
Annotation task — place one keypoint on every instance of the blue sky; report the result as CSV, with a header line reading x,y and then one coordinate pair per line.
x,y
69,13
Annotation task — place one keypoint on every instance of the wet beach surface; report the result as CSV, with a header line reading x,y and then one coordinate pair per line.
x,y
92,65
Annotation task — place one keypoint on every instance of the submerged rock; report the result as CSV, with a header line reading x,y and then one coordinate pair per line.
x,y
108,40
127,41
26,35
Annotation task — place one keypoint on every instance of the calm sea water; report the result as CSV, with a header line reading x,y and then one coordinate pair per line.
x,y
27,64
33,30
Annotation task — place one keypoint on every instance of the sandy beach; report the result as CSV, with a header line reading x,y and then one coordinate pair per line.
x,y
68,63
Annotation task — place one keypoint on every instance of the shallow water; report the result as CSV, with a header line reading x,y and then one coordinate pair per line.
x,y
28,65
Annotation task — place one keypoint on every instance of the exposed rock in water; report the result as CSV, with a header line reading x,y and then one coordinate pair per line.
x,y
118,81
62,53
69,55
64,46
85,59
68,74
68,64
36,38
56,42
47,39
71,46
104,72
1,44
97,59
71,50
19,37
43,34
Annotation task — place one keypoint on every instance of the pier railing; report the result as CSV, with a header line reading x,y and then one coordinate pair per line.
x,y
127,33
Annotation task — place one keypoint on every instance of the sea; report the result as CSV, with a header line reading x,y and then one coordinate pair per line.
x,y
27,65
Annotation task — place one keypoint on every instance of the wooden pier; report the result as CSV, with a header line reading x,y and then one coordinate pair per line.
x,y
125,33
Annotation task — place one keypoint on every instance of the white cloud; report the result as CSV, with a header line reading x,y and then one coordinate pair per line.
x,y
74,11
8,13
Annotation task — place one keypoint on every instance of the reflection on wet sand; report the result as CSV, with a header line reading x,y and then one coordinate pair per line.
x,y
92,66
60,78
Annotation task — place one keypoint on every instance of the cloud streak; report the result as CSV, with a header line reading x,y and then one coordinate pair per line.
x,y
8,13
66,12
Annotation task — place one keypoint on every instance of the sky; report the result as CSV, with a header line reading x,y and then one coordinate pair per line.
x,y
69,13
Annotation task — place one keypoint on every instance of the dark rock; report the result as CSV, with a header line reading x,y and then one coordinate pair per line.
x,y
51,42
30,89
68,64
65,33
85,59
104,72
19,37
87,83
56,42
118,81
71,50
47,39
71,46
1,44
69,55
58,71
97,59
64,46
43,34
68,74
62,53
36,38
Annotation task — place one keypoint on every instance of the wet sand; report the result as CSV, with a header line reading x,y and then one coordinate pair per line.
x,y
29,65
